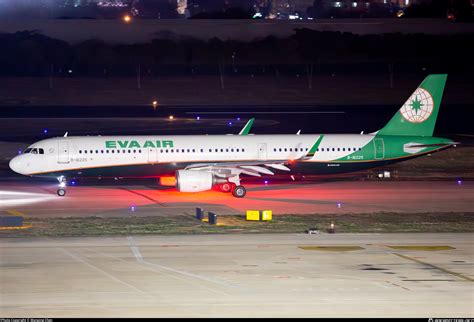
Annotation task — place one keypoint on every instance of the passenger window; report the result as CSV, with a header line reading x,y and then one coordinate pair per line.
x,y
338,149
107,151
279,149
226,150
285,150
222,150
237,150
231,150
80,151
85,151
139,151
243,150
202,150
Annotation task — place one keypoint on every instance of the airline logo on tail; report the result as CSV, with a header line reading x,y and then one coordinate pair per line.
x,y
418,107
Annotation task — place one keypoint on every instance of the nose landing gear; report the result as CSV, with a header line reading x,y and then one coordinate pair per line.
x,y
62,186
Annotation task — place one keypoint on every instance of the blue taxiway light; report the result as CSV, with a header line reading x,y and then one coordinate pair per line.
x,y
339,205
230,123
45,131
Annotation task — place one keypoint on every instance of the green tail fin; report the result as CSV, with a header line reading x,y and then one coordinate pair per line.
x,y
418,115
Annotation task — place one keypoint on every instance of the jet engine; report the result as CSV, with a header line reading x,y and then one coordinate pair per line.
x,y
195,180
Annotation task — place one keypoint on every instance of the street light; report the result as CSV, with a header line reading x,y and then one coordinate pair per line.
x,y
127,18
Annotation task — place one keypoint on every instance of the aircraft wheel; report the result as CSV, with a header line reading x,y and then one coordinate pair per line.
x,y
239,192
61,192
226,187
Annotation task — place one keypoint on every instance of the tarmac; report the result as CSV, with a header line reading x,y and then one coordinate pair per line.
x,y
239,276
39,199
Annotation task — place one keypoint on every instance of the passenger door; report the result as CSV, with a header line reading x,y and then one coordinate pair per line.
x,y
379,149
63,152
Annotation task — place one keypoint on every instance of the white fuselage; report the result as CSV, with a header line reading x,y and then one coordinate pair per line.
x,y
78,153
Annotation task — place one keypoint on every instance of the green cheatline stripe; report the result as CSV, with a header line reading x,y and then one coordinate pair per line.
x,y
315,146
247,127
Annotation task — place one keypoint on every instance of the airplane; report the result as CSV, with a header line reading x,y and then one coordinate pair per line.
x,y
204,162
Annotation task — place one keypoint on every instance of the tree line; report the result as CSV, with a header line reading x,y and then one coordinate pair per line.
x,y
29,53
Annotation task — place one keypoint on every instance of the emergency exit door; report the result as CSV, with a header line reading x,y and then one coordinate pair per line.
x,y
262,151
152,155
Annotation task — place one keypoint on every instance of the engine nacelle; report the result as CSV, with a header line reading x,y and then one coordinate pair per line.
x,y
195,180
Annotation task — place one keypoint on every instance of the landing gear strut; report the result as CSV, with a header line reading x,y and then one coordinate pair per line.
x,y
238,191
62,186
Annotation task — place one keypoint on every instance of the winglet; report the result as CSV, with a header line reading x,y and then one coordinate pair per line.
x,y
65,134
299,132
313,149
247,127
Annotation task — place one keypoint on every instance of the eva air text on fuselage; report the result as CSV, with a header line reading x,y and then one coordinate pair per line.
x,y
130,144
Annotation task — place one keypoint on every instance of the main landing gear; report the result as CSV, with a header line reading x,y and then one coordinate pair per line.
x,y
62,186
237,190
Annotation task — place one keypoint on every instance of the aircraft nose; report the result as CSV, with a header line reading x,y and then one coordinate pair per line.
x,y
16,165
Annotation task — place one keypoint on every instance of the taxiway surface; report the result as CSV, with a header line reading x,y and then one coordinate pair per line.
x,y
278,275
37,199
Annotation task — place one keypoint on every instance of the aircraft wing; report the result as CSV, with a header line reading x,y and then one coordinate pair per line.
x,y
230,169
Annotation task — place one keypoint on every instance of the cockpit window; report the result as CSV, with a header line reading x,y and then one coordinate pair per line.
x,y
34,151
